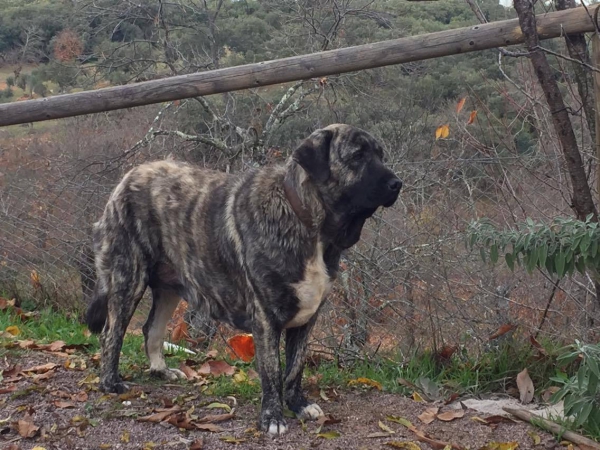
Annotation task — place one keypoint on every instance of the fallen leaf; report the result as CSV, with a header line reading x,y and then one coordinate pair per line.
x,y
366,382
209,427
451,415
525,385
38,448
5,303
216,368
190,373
104,446
42,368
548,393
241,346
502,331
535,437
379,434
56,346
89,379
13,330
80,396
160,415
214,418
385,428
401,421
406,445
232,440
500,446
460,104
180,332
499,419
428,415
125,436
43,376
27,428
329,435
7,390
327,420
219,405
63,405
198,444
417,397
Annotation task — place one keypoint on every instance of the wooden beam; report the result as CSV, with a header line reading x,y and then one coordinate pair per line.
x,y
350,59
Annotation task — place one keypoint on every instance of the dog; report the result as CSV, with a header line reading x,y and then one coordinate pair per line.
x,y
259,250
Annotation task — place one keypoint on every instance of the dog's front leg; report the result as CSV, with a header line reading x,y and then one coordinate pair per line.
x,y
296,340
266,343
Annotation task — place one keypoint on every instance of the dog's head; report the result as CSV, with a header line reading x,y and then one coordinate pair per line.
x,y
346,166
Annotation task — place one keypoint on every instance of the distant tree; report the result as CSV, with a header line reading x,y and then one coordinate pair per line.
x,y
67,46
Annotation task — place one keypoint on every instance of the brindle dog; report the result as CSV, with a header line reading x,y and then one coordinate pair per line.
x,y
260,249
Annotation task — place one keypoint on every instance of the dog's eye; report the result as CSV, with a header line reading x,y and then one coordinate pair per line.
x,y
357,156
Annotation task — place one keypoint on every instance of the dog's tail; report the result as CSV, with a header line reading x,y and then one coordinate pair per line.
x,y
97,312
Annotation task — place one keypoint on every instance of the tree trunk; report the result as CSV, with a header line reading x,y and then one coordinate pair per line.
x,y
582,202
577,47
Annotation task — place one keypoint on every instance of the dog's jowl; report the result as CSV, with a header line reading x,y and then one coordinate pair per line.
x,y
259,250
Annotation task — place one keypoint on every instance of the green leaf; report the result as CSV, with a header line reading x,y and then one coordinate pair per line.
x,y
494,254
510,261
542,254
585,243
593,365
482,253
559,261
584,413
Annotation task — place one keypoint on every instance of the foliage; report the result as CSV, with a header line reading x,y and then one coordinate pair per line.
x,y
562,247
581,392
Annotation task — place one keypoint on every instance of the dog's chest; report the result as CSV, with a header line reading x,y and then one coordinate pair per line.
x,y
311,290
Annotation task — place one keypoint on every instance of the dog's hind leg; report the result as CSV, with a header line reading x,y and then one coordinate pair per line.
x,y
296,340
164,303
124,283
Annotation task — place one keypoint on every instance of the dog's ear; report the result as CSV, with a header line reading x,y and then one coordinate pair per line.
x,y
313,155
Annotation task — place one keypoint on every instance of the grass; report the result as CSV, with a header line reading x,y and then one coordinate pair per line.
x,y
492,371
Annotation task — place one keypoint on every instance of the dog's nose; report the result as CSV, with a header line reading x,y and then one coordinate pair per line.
x,y
394,185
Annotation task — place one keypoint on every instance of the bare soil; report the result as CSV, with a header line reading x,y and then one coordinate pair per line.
x,y
101,421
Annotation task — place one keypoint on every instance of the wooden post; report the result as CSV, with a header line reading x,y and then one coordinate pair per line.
x,y
379,54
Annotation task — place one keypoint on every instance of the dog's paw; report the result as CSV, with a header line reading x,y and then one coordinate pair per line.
x,y
311,411
117,387
168,374
272,426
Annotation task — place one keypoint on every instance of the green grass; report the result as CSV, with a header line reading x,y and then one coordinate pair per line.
x,y
492,371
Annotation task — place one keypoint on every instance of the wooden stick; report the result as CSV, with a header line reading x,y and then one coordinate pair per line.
x,y
379,54
555,428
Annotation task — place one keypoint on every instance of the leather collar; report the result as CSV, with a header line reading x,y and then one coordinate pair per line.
x,y
296,204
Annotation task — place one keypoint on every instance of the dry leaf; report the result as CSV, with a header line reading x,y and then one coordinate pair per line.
x,y
535,437
241,346
27,428
500,446
428,415
366,382
209,427
406,445
329,435
219,405
232,440
190,373
42,368
104,446
198,444
63,405
180,332
379,434
385,428
417,397
215,418
401,421
216,368
160,415
502,331
80,396
327,420
472,117
13,330
125,436
451,415
442,132
460,104
7,390
525,385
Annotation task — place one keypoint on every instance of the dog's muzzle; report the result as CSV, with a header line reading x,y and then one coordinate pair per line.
x,y
392,191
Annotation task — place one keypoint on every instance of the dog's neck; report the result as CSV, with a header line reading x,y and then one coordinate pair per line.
x,y
303,197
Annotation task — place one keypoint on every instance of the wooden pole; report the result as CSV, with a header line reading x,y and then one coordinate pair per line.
x,y
379,54
596,75
553,427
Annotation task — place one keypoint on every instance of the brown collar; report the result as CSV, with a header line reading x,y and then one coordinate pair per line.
x,y
296,204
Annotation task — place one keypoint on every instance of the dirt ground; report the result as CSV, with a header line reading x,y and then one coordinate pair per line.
x,y
71,414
